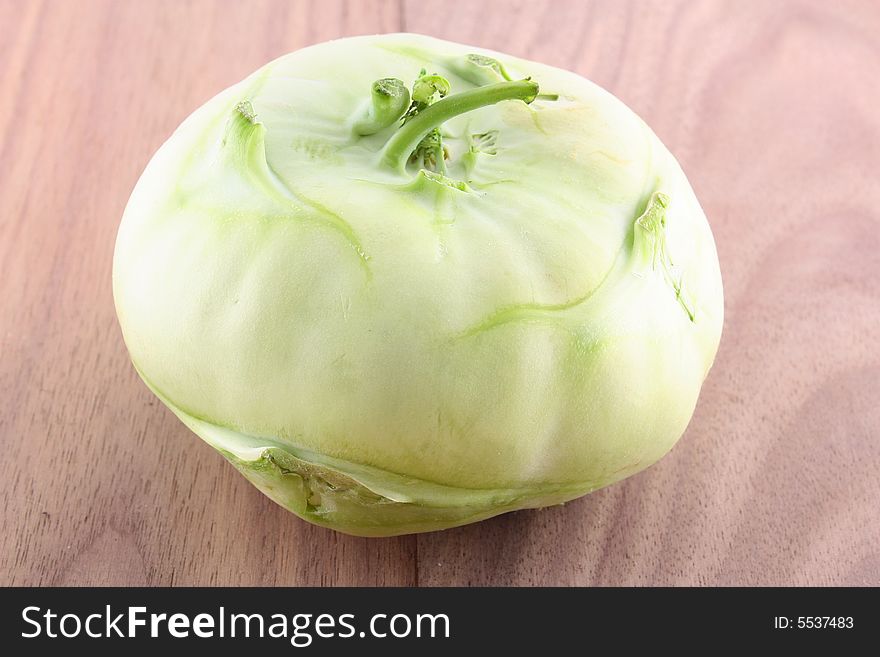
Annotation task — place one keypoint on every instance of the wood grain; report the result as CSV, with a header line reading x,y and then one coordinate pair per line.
x,y
771,109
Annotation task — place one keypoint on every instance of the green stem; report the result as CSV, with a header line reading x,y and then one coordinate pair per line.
x,y
407,138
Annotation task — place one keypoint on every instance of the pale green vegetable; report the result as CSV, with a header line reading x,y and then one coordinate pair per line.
x,y
404,284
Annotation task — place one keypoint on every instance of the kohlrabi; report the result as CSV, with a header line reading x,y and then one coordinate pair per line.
x,y
404,284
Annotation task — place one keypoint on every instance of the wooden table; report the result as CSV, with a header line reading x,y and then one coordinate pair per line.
x,y
772,109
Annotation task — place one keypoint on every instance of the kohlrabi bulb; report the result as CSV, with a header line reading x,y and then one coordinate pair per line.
x,y
404,284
